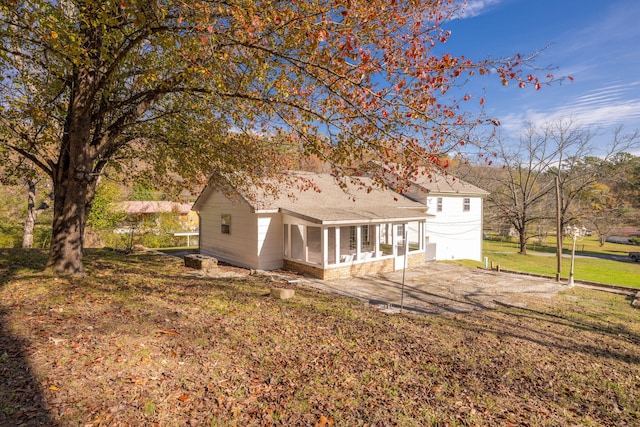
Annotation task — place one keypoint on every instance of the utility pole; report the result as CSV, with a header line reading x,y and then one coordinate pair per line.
x,y
558,230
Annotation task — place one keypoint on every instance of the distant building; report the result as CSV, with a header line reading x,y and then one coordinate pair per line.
x,y
149,210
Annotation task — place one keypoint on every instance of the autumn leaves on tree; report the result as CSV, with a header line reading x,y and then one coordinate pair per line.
x,y
179,90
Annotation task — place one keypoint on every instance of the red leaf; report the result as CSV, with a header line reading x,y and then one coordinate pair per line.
x,y
324,422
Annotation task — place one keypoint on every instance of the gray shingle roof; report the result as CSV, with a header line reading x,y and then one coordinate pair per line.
x,y
355,202
439,183
436,183
333,204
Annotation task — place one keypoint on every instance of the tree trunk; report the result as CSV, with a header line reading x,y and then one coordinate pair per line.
x,y
69,218
523,241
30,220
73,188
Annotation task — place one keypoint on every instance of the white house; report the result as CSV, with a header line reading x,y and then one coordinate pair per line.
x,y
455,230
329,233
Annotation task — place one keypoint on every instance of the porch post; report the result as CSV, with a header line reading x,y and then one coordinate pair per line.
x,y
376,240
324,244
358,241
305,246
337,243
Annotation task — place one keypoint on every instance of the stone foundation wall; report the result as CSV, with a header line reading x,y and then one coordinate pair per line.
x,y
416,260
303,268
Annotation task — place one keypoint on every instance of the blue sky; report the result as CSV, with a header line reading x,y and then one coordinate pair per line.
x,y
597,42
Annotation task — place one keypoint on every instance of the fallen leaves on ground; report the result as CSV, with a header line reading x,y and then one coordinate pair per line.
x,y
150,344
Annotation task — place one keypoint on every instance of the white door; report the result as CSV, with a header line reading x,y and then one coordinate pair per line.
x,y
400,245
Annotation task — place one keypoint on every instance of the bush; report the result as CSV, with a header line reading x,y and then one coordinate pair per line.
x,y
10,236
162,240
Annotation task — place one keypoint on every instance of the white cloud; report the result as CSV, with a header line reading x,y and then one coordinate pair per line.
x,y
477,7
602,107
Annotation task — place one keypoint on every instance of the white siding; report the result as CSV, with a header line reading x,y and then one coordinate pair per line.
x,y
457,234
270,241
240,246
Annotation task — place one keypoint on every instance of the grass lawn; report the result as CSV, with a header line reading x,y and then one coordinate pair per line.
x,y
542,260
142,341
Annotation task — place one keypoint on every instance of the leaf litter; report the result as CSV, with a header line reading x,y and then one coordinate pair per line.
x,y
150,344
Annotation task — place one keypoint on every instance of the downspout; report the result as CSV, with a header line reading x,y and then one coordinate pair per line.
x,y
199,231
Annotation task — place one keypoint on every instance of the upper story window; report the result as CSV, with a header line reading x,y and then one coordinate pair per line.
x,y
466,204
225,223
439,204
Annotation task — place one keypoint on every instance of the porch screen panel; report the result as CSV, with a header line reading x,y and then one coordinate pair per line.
x,y
345,241
331,242
314,245
413,236
386,239
366,237
297,242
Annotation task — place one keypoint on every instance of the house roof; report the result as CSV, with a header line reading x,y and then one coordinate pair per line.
x,y
436,183
136,207
329,203
440,183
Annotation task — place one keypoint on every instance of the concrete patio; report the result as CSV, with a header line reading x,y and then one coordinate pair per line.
x,y
438,288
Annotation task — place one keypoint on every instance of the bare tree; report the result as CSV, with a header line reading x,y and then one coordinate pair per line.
x,y
576,173
522,184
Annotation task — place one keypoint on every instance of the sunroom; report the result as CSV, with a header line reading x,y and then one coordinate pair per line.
x,y
335,248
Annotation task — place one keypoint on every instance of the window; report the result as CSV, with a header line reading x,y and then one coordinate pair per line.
x,y
225,221
466,204
439,204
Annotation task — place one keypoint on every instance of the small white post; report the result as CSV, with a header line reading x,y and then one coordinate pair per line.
x,y
575,231
573,254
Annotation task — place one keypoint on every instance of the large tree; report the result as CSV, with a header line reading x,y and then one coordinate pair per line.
x,y
519,184
181,88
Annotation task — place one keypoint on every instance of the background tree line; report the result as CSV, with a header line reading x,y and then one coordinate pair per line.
x,y
598,186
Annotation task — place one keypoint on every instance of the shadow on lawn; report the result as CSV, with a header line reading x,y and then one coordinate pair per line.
x,y
542,337
419,300
21,397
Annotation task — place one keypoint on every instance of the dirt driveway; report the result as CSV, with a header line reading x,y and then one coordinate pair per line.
x,y
437,288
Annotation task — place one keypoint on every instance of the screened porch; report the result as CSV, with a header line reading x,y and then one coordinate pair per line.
x,y
332,245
